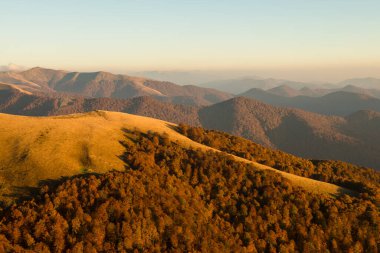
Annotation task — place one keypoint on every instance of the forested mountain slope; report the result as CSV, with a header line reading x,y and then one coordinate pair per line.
x,y
352,139
169,194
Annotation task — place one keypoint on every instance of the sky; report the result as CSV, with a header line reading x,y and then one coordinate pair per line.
x,y
320,40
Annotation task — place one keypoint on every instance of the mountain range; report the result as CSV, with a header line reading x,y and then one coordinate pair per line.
x,y
287,91
367,86
14,100
353,138
54,83
104,84
340,103
237,86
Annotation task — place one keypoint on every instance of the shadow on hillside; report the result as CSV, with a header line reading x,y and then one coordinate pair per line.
x,y
133,136
23,193
175,128
345,191
19,194
348,188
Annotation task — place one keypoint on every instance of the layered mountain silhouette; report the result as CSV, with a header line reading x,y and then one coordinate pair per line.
x,y
355,89
20,102
237,86
353,138
366,83
104,84
287,91
340,103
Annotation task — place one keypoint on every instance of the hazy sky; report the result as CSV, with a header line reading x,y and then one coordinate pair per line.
x,y
307,39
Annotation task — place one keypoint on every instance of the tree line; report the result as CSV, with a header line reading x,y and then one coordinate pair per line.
x,y
363,180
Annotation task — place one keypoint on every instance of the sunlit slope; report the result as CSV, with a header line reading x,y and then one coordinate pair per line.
x,y
40,148
9,87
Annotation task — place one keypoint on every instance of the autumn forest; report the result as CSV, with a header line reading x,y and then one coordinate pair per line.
x,y
174,199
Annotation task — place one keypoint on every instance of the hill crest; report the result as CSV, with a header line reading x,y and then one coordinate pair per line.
x,y
87,141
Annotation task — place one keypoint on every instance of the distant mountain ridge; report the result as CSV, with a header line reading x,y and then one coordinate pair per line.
x,y
339,103
369,86
14,101
287,91
236,86
366,83
104,84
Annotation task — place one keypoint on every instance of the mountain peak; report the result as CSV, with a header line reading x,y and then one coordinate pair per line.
x,y
350,86
241,100
105,84
284,91
41,71
37,68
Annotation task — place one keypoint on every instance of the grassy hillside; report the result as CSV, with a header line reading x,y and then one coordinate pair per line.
x,y
32,146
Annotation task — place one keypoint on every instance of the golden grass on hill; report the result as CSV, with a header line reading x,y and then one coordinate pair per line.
x,y
40,148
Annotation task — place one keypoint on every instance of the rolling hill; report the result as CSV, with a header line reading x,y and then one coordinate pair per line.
x,y
104,84
80,142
